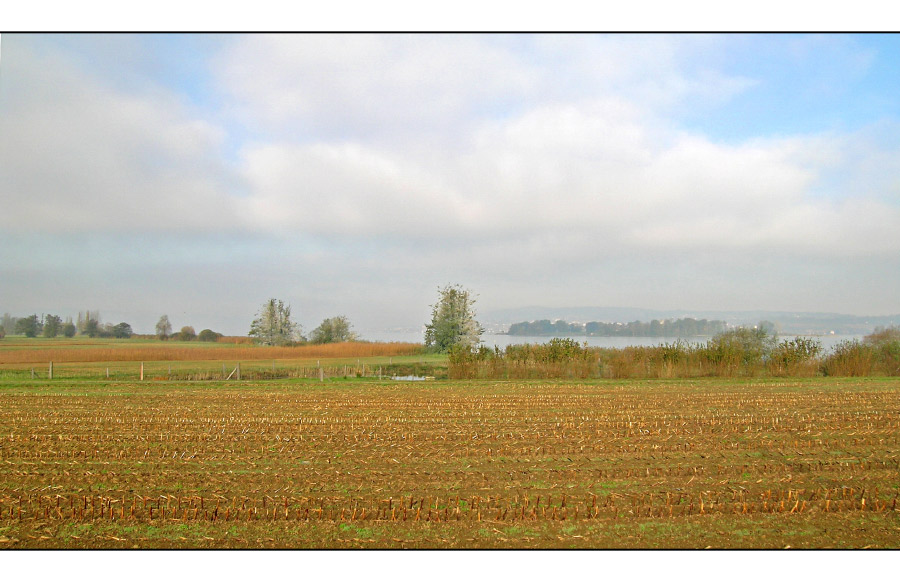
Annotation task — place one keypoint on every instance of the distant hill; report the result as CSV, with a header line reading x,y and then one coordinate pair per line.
x,y
787,322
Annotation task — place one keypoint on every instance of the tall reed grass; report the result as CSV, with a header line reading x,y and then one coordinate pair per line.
x,y
124,352
741,352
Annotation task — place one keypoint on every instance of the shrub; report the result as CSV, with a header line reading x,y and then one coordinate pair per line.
x,y
850,358
559,358
886,343
795,357
187,334
738,350
208,335
122,331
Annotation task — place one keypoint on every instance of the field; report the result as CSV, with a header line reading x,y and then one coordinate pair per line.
x,y
87,462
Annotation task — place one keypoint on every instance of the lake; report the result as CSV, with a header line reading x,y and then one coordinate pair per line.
x,y
502,340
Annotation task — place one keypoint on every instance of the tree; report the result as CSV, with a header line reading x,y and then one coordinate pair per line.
x,y
8,323
273,325
208,335
68,328
84,322
28,326
122,330
187,333
163,327
452,321
91,327
333,330
52,325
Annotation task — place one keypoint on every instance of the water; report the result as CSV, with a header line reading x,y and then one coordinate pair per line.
x,y
501,340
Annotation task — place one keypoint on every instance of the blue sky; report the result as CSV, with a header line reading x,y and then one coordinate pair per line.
x,y
198,175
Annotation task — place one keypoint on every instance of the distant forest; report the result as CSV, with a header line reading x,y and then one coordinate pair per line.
x,y
687,327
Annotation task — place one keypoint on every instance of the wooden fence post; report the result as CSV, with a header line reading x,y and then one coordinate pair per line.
x,y
239,371
142,371
50,374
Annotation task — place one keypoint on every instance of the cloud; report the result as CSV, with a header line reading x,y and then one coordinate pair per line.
x,y
80,155
337,86
537,169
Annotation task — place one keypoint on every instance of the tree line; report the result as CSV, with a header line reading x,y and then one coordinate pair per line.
x,y
274,326
49,325
686,327
452,324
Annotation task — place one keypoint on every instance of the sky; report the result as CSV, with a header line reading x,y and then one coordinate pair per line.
x,y
199,175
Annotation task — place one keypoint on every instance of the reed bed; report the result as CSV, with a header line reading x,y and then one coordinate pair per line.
x,y
738,353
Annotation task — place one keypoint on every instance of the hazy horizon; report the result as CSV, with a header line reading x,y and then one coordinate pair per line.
x,y
198,175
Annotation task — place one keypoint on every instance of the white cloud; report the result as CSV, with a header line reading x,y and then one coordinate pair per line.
x,y
358,85
531,165
78,155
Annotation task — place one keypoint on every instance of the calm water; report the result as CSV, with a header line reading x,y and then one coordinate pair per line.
x,y
491,340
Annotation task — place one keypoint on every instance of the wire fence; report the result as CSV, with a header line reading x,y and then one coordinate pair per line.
x,y
224,371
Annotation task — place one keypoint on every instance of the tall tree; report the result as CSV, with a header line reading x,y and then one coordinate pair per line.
x,y
163,327
333,330
122,330
8,322
68,328
452,320
52,325
28,326
273,325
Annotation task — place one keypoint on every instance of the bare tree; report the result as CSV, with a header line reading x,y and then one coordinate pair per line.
x,y
163,327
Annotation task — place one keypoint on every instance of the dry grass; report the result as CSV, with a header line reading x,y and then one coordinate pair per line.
x,y
160,352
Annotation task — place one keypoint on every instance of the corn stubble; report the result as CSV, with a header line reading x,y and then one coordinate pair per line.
x,y
452,464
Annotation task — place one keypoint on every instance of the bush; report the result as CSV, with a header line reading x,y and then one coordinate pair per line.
x,y
122,331
187,334
738,350
883,335
559,358
850,358
796,357
886,344
208,335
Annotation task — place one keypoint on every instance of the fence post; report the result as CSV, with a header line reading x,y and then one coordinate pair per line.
x,y
321,375
142,371
32,373
50,374
239,371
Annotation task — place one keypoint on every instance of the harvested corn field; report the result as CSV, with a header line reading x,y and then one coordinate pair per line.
x,y
365,463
